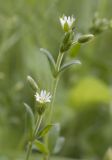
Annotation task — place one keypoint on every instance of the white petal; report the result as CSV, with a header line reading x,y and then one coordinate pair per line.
x,y
44,93
65,18
62,22
41,93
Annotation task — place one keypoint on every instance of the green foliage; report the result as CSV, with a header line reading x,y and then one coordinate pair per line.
x,y
89,90
26,26
40,146
74,50
68,64
50,59
44,131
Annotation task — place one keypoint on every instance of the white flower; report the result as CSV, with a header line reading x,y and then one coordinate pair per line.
x,y
67,22
43,97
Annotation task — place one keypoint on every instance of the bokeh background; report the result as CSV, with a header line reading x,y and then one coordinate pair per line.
x,y
83,100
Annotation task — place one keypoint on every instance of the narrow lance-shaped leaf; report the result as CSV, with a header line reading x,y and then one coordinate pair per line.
x,y
50,58
45,130
59,145
53,136
30,119
68,64
40,146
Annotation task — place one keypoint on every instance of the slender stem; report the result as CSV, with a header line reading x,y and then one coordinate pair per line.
x,y
59,60
54,88
38,123
55,84
39,120
29,151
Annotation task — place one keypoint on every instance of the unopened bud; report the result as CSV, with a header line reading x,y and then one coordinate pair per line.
x,y
67,23
85,38
32,83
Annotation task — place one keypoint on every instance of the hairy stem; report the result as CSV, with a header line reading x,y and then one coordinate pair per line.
x,y
39,120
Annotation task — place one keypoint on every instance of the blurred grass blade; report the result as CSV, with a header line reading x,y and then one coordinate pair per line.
x,y
30,119
8,43
45,130
68,64
40,146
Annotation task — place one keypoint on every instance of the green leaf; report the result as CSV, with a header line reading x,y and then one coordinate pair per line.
x,y
40,146
59,145
50,59
53,137
89,90
30,119
68,64
45,130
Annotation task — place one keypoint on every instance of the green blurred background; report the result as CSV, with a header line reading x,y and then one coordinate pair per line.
x,y
83,100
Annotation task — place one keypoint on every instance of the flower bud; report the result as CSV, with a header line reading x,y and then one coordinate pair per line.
x,y
67,41
85,38
32,83
67,23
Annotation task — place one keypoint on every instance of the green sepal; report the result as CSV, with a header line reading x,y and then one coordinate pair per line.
x,y
50,59
40,146
66,37
66,27
44,131
30,119
68,64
